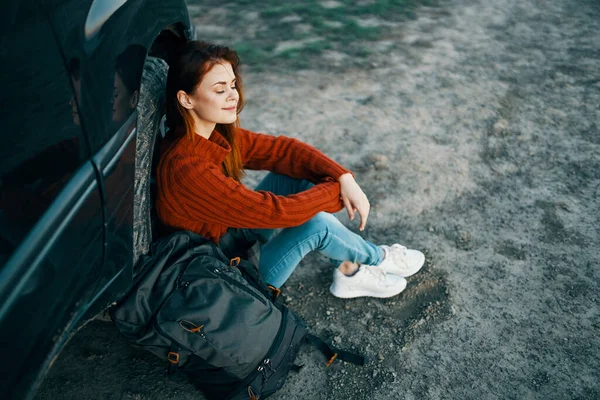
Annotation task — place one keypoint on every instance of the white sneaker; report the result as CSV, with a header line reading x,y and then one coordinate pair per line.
x,y
401,261
367,281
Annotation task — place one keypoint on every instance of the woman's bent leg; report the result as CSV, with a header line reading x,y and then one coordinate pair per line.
x,y
281,185
324,233
282,251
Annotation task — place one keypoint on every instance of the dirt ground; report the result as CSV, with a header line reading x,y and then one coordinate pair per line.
x,y
473,129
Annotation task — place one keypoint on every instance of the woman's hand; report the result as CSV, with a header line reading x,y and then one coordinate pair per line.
x,y
354,199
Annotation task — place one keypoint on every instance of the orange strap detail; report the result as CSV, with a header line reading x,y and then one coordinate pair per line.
x,y
251,394
331,359
234,262
173,357
190,326
275,291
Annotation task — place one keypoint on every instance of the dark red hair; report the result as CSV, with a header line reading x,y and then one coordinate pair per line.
x,y
186,73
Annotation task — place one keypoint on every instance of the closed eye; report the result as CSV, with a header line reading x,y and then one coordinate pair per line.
x,y
222,91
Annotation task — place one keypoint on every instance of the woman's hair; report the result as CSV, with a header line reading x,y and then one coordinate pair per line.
x,y
74,68
186,73
129,65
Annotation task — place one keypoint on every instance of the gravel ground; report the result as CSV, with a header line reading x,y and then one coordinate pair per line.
x,y
475,135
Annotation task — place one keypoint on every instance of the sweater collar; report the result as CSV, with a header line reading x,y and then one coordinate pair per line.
x,y
214,149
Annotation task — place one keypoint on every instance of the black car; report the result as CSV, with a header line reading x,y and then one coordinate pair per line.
x,y
82,102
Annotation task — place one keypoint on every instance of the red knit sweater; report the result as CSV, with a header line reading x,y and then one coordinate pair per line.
x,y
194,194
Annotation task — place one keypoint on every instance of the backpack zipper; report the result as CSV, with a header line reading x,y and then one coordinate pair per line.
x,y
266,362
184,347
266,292
247,289
179,284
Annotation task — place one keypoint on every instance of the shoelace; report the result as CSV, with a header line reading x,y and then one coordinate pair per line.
x,y
399,247
377,272
395,254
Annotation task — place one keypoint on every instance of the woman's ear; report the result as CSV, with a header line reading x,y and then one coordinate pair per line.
x,y
184,100
133,100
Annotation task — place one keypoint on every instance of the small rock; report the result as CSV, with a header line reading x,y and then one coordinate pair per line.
x,y
366,100
378,161
556,113
465,241
380,356
500,126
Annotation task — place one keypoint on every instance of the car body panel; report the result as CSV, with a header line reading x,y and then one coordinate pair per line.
x,y
48,279
66,258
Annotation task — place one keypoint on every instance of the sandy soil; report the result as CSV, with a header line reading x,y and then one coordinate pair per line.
x,y
476,138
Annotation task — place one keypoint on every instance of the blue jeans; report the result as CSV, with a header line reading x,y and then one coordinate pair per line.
x,y
281,250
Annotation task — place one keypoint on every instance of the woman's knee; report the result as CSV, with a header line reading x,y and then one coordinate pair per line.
x,y
321,222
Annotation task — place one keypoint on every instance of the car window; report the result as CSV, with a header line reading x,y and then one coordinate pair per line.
x,y
110,82
41,144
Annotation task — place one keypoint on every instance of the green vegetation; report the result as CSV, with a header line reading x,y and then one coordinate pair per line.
x,y
294,33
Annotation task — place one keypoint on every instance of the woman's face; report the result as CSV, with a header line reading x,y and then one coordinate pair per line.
x,y
123,101
216,97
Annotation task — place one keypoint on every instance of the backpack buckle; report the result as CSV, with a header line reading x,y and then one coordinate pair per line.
x,y
173,357
234,262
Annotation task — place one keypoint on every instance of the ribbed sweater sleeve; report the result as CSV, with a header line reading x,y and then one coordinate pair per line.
x,y
192,190
286,156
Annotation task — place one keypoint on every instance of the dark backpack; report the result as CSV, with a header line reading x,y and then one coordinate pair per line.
x,y
214,319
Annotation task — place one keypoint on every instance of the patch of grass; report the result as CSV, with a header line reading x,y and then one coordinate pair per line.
x,y
252,54
348,27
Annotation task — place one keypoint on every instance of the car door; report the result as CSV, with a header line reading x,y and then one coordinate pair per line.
x,y
98,34
51,214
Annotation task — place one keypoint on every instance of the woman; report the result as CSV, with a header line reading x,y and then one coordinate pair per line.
x,y
199,188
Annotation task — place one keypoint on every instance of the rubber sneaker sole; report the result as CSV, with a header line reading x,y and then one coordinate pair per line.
x,y
349,293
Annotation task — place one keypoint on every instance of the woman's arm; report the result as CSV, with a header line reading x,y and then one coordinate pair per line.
x,y
354,199
195,190
291,157
287,156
